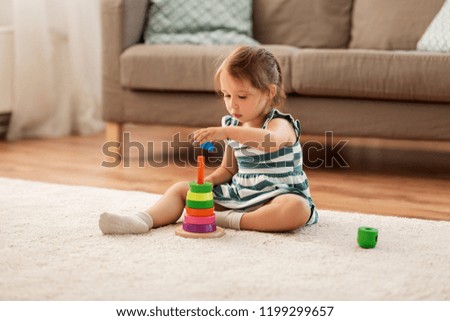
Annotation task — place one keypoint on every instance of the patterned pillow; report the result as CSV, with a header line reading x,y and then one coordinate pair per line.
x,y
200,22
437,35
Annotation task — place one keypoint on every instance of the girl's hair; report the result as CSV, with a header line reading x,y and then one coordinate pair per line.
x,y
256,65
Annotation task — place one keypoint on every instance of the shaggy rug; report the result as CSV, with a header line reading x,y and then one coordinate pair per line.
x,y
51,249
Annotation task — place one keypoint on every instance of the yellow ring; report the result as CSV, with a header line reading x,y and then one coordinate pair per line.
x,y
199,196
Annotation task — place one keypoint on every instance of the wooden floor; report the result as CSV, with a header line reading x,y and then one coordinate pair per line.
x,y
399,178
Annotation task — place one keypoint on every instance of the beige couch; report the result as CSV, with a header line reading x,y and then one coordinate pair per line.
x,y
350,67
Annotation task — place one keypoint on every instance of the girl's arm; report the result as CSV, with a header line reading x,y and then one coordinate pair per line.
x,y
226,170
278,133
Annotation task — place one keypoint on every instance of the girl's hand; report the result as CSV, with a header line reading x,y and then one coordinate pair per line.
x,y
209,134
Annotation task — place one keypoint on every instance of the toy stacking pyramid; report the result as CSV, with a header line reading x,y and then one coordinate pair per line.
x,y
199,217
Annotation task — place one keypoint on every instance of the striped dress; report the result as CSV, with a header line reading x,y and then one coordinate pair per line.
x,y
262,176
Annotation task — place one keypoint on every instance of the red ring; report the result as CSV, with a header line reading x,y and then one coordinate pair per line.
x,y
199,219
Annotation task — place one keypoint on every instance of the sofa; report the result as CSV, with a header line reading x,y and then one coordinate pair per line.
x,y
350,67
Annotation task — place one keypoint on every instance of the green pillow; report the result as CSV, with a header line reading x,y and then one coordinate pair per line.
x,y
201,22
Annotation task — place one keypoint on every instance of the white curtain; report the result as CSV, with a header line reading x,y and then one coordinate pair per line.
x,y
57,72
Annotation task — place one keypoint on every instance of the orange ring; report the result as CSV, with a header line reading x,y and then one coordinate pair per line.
x,y
200,211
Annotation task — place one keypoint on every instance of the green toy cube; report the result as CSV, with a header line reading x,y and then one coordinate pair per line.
x,y
367,237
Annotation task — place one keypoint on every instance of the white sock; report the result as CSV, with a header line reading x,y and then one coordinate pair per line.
x,y
229,219
120,224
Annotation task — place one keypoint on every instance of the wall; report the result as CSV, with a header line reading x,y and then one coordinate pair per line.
x,y
6,12
6,55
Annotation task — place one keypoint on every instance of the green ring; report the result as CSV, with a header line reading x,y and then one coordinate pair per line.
x,y
367,237
200,188
200,204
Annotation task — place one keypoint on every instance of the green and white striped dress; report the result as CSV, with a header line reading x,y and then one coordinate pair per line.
x,y
262,176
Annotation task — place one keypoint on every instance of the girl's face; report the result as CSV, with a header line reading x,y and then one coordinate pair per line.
x,y
245,102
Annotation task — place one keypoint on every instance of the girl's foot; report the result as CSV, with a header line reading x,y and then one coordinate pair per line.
x,y
229,219
120,224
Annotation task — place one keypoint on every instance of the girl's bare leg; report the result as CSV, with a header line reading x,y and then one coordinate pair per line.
x,y
166,211
284,213
170,206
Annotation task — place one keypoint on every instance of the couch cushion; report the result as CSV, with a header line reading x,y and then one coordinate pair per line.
x,y
303,23
391,24
399,75
184,67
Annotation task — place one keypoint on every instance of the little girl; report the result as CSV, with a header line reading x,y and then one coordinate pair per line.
x,y
260,184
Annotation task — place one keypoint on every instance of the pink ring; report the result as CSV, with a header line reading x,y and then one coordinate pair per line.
x,y
197,228
199,219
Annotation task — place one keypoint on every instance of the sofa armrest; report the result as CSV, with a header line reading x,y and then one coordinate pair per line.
x,y
121,26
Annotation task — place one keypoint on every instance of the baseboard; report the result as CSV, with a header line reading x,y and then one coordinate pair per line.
x,y
4,124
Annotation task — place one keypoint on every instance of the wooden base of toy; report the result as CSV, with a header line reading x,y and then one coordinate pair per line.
x,y
219,232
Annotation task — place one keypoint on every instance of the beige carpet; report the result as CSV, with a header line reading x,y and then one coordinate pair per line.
x,y
51,249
